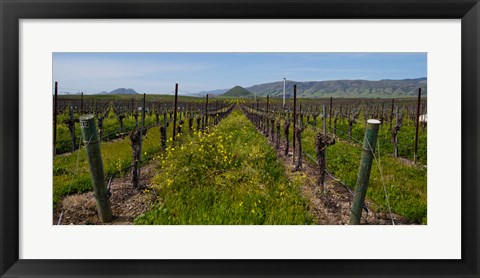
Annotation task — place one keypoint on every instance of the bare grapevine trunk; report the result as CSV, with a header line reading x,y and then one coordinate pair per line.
x,y
135,143
286,127
321,143
298,135
163,137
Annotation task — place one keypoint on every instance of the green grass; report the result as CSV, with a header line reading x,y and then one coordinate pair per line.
x,y
406,185
111,127
406,138
228,176
116,155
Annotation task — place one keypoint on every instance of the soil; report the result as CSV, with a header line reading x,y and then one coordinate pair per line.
x,y
126,202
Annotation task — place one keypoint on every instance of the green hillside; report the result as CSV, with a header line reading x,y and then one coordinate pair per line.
x,y
386,88
237,91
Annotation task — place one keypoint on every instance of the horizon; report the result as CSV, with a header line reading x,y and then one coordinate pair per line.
x,y
157,73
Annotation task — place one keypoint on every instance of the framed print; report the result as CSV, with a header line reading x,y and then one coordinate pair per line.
x,y
178,117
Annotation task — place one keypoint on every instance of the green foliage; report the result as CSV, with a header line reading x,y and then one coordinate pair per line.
x,y
229,175
111,129
406,185
406,138
236,92
71,172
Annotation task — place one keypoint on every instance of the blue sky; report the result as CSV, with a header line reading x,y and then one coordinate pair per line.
x,y
157,73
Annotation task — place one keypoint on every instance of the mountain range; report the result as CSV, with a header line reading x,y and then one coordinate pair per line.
x,y
386,88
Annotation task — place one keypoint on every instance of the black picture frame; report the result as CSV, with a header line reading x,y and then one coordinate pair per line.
x,y
12,11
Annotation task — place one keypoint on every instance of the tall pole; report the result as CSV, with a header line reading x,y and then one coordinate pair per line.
x,y
92,147
284,81
391,113
55,120
330,114
206,111
294,117
364,172
141,127
175,111
139,155
268,98
81,104
416,126
324,120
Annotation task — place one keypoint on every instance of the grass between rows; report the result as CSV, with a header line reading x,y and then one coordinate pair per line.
x,y
111,128
71,172
406,185
228,176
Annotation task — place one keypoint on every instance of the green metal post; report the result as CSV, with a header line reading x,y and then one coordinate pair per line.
x,y
92,146
364,172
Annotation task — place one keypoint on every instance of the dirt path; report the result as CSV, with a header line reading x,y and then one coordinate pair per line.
x,y
127,203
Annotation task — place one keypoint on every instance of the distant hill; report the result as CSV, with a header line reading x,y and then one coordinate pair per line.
x,y
237,91
386,88
120,91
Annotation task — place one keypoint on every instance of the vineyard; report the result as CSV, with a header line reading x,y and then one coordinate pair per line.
x,y
232,161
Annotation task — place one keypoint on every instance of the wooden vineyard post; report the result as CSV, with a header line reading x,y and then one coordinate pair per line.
x,y
92,147
294,118
324,120
267,118
277,141
417,120
369,142
81,104
55,120
120,120
321,143
330,114
206,110
391,113
175,111
141,137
